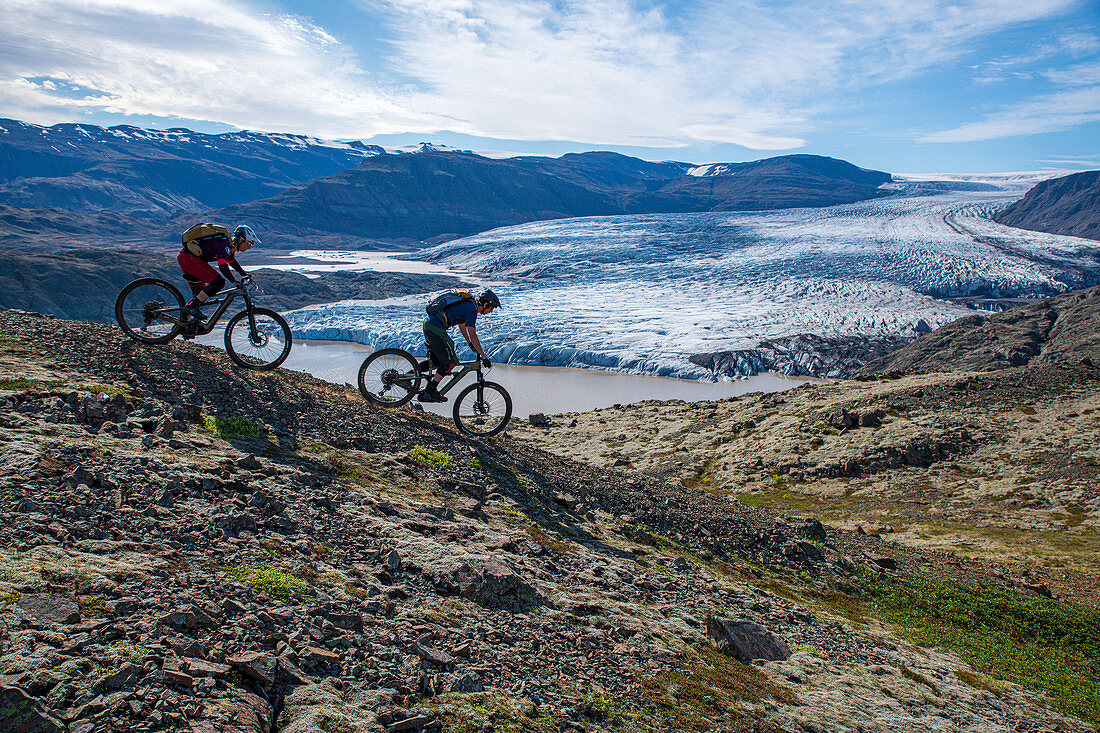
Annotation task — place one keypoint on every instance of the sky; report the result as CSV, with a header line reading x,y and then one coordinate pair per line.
x,y
904,86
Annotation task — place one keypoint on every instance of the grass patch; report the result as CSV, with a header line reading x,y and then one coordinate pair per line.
x,y
232,427
272,581
544,538
707,694
1044,644
22,384
132,652
431,458
485,711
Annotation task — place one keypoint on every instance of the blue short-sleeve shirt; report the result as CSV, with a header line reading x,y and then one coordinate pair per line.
x,y
463,312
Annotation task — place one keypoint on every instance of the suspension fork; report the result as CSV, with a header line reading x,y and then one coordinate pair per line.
x,y
252,331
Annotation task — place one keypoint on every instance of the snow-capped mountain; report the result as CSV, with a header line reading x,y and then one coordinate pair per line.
x,y
645,293
156,173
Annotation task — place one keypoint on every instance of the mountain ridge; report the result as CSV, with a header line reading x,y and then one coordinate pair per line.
x,y
355,195
1068,205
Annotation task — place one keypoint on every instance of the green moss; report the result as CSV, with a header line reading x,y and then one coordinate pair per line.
x,y
431,458
1044,644
484,711
272,581
232,427
132,652
708,692
22,384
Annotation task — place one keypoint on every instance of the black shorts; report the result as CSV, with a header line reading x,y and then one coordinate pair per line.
x,y
441,348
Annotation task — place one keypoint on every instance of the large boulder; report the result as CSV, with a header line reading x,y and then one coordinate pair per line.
x,y
745,640
489,581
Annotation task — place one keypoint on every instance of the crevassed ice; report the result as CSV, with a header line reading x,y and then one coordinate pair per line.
x,y
644,293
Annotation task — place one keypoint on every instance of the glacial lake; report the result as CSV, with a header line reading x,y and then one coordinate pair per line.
x,y
533,389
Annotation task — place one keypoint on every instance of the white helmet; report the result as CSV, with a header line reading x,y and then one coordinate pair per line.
x,y
245,232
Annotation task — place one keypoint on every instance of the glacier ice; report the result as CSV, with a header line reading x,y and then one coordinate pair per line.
x,y
644,293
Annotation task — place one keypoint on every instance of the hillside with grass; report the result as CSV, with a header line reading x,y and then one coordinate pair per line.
x,y
188,546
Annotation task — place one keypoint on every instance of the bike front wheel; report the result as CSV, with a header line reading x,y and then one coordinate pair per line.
x,y
483,409
150,310
265,348
389,377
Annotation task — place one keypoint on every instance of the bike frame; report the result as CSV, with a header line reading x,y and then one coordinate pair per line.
x,y
211,323
448,382
453,378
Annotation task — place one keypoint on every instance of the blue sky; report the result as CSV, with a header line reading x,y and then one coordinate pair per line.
x,y
906,86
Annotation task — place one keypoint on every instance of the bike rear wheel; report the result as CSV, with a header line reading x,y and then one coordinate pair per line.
x,y
483,409
150,310
267,348
389,377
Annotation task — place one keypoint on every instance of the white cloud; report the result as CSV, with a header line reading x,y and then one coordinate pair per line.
x,y
750,72
1076,102
641,72
197,59
1047,113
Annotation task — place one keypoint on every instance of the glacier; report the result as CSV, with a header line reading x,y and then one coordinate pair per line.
x,y
643,294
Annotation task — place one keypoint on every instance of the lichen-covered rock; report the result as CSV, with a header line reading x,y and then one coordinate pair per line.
x,y
489,581
745,640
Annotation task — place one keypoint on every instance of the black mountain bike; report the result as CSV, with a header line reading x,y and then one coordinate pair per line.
x,y
392,377
150,310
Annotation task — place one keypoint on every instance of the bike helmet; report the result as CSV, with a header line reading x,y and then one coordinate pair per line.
x,y
489,298
245,232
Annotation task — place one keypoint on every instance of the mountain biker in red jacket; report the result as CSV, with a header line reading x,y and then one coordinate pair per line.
x,y
202,278
441,348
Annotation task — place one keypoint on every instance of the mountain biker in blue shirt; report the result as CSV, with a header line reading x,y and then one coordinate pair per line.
x,y
441,348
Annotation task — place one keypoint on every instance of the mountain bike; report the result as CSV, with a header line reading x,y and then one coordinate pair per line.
x,y
392,377
150,310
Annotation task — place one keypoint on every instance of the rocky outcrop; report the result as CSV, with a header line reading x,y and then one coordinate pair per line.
x,y
1054,330
802,355
1068,205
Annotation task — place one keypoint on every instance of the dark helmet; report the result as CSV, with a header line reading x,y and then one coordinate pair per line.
x,y
489,298
244,232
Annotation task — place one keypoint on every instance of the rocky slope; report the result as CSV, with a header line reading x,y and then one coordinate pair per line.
x,y
85,283
1068,205
992,454
186,546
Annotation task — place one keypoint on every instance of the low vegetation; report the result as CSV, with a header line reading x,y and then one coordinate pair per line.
x,y
431,458
272,581
1038,642
230,428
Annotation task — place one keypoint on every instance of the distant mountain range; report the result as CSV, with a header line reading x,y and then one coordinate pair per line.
x,y
56,183
446,195
157,173
1068,205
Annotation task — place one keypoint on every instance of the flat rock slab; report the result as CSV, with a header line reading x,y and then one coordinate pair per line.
x,y
258,666
45,608
19,713
746,640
